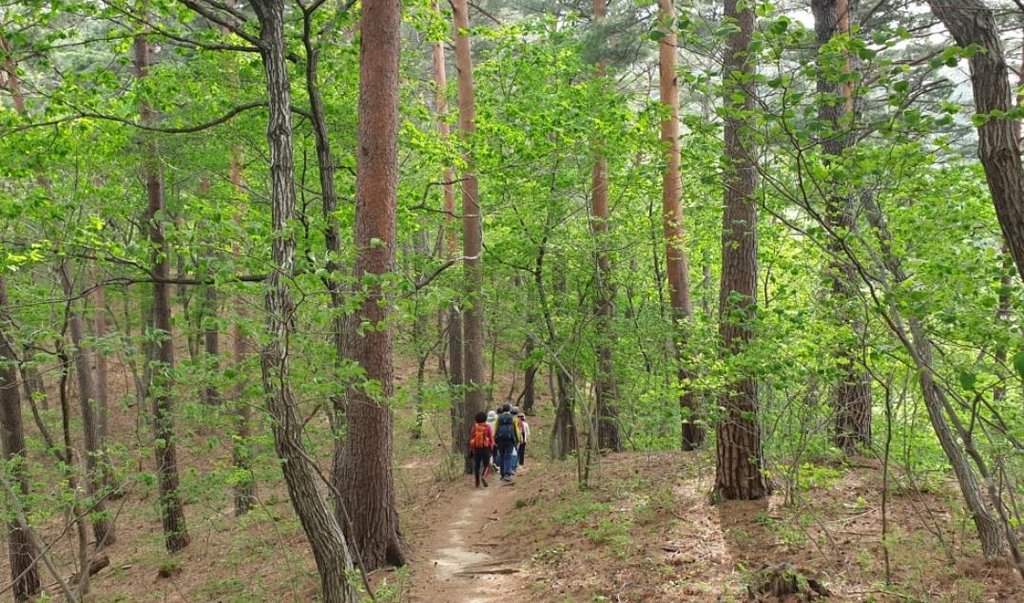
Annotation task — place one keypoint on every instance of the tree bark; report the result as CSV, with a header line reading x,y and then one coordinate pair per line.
x,y
24,575
102,527
972,23
739,473
529,375
607,414
172,510
454,315
332,232
241,450
852,398
211,340
563,431
1006,260
366,481
326,539
676,262
472,236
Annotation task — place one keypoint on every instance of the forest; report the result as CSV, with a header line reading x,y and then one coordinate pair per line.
x,y
751,269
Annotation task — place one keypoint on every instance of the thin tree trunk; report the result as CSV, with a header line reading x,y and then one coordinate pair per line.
x,y
34,386
455,377
326,539
472,237
71,474
676,263
24,575
919,346
606,420
529,376
102,370
211,340
172,510
454,315
419,335
739,472
332,233
852,399
366,481
241,450
206,314
563,432
1006,268
102,528
455,350
973,24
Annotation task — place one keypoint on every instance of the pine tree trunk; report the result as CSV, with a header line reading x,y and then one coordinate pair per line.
x,y
172,510
366,481
740,469
472,237
676,262
102,528
326,539
454,316
852,400
973,24
24,575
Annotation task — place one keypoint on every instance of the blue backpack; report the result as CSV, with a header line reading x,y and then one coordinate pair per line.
x,y
506,429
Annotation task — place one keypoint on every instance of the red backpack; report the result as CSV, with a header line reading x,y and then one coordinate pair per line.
x,y
478,438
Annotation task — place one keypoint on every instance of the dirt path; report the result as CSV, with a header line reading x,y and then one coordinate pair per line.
x,y
461,559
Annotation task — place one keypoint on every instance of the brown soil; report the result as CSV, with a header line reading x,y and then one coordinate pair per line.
x,y
646,531
643,531
461,557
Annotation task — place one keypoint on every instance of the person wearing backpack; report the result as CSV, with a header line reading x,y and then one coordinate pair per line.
x,y
492,422
506,440
481,441
517,423
525,437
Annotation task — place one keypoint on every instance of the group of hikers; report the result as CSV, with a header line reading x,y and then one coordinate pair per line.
x,y
498,441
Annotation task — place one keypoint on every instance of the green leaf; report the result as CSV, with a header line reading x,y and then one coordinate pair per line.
x,y
1018,363
968,380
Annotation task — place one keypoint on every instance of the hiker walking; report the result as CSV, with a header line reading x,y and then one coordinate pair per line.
x,y
524,438
517,424
506,440
492,422
481,441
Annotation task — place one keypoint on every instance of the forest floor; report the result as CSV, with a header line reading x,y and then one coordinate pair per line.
x,y
643,530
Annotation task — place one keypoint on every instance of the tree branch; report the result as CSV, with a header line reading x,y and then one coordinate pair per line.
x,y
211,15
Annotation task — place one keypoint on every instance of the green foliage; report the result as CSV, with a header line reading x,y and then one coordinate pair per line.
x,y
70,190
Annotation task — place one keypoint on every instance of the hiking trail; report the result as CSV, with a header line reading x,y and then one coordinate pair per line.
x,y
461,559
